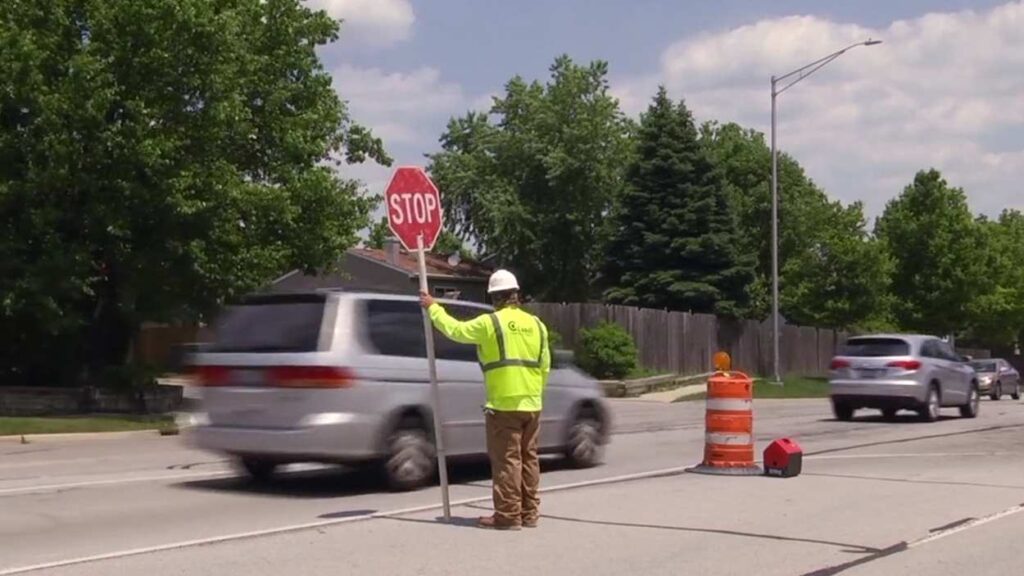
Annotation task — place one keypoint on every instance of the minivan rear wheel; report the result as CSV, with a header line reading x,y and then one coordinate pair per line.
x,y
257,469
584,446
410,460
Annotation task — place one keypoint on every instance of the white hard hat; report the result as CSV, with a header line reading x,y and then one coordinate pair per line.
x,y
502,281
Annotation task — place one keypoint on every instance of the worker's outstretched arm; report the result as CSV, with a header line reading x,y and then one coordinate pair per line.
x,y
475,331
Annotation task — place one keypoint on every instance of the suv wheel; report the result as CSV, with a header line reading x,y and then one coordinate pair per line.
x,y
257,469
997,391
933,405
584,447
842,411
970,410
410,461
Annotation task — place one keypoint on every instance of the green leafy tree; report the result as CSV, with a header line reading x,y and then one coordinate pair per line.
x,y
534,185
805,212
449,243
937,248
379,233
676,245
997,316
841,281
156,158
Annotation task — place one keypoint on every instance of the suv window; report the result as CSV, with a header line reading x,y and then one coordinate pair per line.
x,y
270,324
868,347
946,352
396,329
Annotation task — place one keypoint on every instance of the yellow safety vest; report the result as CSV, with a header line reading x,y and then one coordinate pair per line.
x,y
512,346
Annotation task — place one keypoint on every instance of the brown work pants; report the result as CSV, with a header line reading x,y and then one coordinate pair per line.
x,y
515,467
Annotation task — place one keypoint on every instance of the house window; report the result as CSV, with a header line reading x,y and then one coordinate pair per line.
x,y
446,292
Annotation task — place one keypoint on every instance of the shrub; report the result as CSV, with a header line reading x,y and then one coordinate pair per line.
x,y
607,352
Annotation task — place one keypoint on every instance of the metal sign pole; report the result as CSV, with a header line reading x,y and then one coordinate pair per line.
x,y
428,331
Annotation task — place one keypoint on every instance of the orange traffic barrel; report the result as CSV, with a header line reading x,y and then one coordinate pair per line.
x,y
729,426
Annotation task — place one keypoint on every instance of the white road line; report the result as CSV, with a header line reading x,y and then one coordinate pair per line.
x,y
51,487
966,526
320,524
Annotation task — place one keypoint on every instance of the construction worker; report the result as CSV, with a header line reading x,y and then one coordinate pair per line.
x,y
512,346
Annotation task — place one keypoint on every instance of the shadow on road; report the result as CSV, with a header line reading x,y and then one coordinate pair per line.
x,y
335,482
844,546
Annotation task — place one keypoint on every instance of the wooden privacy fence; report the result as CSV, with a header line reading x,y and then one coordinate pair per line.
x,y
684,343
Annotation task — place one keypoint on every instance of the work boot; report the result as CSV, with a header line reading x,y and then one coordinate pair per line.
x,y
529,522
493,523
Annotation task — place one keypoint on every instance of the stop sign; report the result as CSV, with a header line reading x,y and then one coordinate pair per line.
x,y
414,207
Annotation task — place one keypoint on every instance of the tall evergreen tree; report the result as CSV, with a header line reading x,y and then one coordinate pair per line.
x,y
675,243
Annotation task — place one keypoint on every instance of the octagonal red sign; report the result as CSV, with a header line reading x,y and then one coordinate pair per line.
x,y
414,207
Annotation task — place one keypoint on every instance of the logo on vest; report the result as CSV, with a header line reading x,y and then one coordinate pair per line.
x,y
517,329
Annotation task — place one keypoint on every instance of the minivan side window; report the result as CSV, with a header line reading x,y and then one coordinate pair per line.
x,y
449,350
396,329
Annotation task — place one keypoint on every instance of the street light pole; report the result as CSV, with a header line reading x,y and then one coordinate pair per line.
x,y
800,73
775,245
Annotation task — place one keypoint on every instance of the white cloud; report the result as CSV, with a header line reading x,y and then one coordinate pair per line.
x,y
403,107
944,91
370,22
407,110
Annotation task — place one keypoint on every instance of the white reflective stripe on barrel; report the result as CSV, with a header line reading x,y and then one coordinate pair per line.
x,y
728,438
730,404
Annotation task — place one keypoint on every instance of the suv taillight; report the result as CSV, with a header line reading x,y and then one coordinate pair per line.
x,y
311,377
909,365
838,363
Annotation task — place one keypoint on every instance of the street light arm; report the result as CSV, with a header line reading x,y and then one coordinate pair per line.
x,y
805,71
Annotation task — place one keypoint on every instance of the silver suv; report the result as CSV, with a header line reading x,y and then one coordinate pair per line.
x,y
339,377
893,372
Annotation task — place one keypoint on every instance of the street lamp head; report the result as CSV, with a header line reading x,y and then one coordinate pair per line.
x,y
872,42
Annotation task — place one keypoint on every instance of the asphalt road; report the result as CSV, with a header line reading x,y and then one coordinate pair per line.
x,y
875,498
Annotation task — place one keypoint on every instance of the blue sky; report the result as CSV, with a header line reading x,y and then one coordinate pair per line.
x,y
946,90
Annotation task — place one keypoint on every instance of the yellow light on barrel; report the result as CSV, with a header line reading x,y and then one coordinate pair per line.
x,y
722,362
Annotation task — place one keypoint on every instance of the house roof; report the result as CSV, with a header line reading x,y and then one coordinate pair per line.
x,y
437,265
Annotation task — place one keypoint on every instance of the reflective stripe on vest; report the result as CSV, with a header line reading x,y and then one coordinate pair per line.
x,y
503,359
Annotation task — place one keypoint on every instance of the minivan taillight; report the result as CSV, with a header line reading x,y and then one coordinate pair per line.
x,y
909,365
311,377
838,363
212,375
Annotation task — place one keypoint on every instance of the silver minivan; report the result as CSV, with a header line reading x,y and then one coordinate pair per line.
x,y
891,372
341,377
